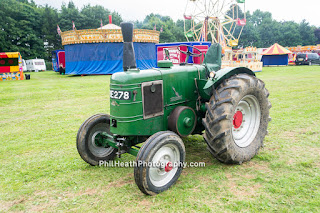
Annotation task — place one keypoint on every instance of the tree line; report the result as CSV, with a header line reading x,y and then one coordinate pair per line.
x,y
32,29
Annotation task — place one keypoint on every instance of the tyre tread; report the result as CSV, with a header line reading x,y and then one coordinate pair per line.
x,y
219,113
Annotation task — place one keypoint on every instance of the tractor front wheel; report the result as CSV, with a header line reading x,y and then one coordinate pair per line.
x,y
159,162
237,118
90,143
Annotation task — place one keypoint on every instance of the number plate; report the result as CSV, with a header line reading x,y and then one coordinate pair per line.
x,y
120,95
300,59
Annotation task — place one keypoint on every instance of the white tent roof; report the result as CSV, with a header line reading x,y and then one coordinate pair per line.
x,y
109,27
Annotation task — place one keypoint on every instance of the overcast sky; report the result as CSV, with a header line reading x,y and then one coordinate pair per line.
x,y
132,10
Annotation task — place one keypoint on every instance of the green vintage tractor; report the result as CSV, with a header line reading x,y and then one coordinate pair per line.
x,y
160,106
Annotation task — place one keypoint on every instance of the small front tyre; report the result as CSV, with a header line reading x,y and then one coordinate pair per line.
x,y
159,162
90,140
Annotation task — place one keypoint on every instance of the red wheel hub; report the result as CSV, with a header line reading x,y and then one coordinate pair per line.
x,y
168,167
237,119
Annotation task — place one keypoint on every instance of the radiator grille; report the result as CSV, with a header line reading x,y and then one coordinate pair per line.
x,y
152,94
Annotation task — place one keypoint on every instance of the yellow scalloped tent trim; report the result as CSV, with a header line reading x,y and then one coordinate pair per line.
x,y
98,36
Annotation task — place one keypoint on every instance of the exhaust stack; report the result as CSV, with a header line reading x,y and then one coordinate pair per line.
x,y
129,60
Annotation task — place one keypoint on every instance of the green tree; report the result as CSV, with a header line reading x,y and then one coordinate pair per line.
x,y
266,27
171,31
307,33
250,34
93,15
317,35
179,31
290,35
116,18
21,28
49,20
70,13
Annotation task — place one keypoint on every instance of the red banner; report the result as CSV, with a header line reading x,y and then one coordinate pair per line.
x,y
175,55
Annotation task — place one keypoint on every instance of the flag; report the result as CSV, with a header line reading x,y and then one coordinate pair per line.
x,y
161,30
73,26
58,30
155,27
101,24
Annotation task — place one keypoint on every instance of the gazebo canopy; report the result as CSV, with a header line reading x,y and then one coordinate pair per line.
x,y
276,49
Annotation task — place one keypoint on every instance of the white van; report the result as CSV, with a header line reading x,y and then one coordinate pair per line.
x,y
36,65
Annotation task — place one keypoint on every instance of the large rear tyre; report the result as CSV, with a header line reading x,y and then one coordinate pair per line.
x,y
159,162
237,118
89,138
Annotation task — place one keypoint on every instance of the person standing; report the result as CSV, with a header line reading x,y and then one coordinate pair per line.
x,y
62,70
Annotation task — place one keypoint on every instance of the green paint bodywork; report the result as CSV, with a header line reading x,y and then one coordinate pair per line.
x,y
223,74
179,89
187,85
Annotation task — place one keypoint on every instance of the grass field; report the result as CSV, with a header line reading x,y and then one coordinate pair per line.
x,y
40,169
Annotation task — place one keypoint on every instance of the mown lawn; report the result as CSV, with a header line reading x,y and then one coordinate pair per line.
x,y
40,169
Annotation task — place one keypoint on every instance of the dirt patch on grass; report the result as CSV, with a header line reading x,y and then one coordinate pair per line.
x,y
124,182
303,153
86,192
242,192
290,136
144,204
44,206
309,130
293,135
271,149
187,171
6,205
129,179
49,200
263,167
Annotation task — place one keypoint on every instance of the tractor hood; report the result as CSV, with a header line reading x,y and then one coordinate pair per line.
x,y
135,76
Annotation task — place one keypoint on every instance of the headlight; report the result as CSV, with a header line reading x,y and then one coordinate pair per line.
x,y
212,74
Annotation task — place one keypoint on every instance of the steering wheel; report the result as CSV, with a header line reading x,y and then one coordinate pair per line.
x,y
188,53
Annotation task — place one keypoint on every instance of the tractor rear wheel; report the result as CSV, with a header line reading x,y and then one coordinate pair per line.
x,y
89,140
237,118
159,162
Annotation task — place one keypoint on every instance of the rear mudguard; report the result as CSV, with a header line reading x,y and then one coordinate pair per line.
x,y
223,74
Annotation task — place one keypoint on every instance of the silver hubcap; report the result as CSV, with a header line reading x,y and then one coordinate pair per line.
x,y
164,165
96,150
246,121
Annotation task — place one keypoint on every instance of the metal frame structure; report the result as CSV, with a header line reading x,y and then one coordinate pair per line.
x,y
214,20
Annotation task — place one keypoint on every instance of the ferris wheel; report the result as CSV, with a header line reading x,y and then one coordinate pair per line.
x,y
215,20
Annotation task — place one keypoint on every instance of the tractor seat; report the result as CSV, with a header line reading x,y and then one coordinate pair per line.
x,y
212,61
